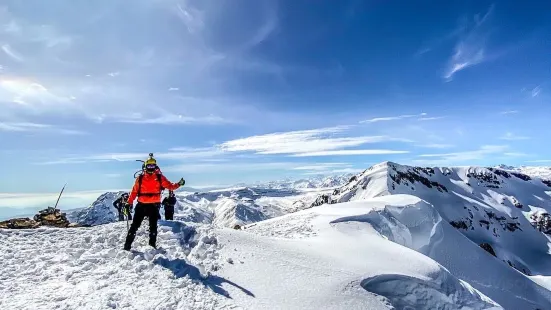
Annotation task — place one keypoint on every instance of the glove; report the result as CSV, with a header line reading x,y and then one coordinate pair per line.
x,y
182,182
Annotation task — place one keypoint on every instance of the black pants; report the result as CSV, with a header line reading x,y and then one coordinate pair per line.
x,y
151,210
169,213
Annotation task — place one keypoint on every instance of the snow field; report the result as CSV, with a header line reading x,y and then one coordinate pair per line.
x,y
321,261
86,268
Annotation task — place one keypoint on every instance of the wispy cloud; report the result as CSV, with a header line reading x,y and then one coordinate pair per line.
x,y
36,127
430,118
172,119
540,161
471,48
173,154
536,91
321,166
391,118
512,136
64,70
465,156
69,199
516,154
230,167
302,143
509,112
11,53
349,152
436,146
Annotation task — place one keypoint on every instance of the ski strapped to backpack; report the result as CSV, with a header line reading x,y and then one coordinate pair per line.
x,y
161,189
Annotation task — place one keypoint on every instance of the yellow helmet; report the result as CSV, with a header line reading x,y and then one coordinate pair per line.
x,y
150,165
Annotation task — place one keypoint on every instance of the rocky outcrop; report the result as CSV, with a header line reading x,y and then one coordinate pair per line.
x,y
52,217
48,217
541,221
19,223
488,248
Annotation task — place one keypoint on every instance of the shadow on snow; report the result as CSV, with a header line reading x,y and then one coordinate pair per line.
x,y
181,268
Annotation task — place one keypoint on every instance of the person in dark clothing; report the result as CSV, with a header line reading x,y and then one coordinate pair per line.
x,y
147,189
122,207
169,203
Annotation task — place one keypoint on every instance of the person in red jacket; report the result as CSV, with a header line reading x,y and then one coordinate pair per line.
x,y
147,189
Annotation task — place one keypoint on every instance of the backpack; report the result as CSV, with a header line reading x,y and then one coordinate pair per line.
x,y
161,188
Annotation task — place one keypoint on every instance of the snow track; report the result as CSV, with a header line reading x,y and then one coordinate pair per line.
x,y
86,268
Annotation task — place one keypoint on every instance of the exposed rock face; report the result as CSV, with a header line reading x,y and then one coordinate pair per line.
x,y
488,205
488,248
52,217
542,222
19,223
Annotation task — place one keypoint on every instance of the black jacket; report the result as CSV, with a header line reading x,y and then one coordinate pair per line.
x,y
118,204
169,202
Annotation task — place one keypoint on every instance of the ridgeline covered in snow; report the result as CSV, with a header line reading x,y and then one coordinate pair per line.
x,y
391,237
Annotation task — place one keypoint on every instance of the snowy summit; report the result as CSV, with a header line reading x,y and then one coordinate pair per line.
x,y
269,154
391,237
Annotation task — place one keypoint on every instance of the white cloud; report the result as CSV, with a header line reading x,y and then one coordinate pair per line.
x,y
347,170
349,152
69,199
436,146
299,142
13,54
471,48
66,69
540,161
171,119
321,166
391,118
465,156
229,167
512,136
516,154
173,154
509,112
536,91
431,118
35,127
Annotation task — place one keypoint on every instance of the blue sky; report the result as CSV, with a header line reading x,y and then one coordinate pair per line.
x,y
241,91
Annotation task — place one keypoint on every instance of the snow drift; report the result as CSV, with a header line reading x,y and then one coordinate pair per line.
x,y
480,211
321,266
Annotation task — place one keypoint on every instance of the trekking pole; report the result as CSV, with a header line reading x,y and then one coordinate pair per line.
x,y
127,218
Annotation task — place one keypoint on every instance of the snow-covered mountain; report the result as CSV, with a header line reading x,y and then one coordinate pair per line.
x,y
491,207
225,207
533,171
320,258
99,212
391,237
314,182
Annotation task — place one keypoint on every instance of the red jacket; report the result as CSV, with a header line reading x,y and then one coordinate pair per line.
x,y
150,191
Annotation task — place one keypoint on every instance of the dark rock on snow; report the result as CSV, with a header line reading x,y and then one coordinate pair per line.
x,y
488,248
47,217
19,223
